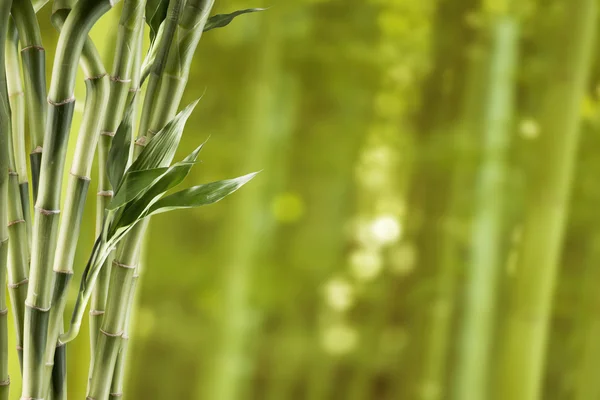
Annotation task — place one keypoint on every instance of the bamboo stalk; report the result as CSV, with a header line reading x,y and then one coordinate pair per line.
x,y
16,96
117,385
128,44
96,103
5,139
45,229
524,337
18,192
34,68
474,358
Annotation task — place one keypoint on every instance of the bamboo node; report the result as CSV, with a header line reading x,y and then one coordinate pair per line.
x,y
94,313
43,211
106,193
17,284
115,262
135,90
3,241
4,312
42,309
38,149
118,334
15,94
108,133
119,79
120,394
99,76
19,347
141,141
15,222
39,48
62,271
62,102
82,177
12,173
5,382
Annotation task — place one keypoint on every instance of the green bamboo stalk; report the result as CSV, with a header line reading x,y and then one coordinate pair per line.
x,y
18,201
117,385
524,337
128,42
45,228
474,358
34,68
5,139
16,96
96,103
171,82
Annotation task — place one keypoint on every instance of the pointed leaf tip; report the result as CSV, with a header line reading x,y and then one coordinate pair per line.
x,y
221,20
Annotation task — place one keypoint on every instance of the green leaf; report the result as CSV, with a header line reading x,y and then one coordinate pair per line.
x,y
118,155
221,20
160,150
165,182
156,12
199,195
134,183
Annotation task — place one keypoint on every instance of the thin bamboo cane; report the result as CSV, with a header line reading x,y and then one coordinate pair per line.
x,y
96,103
5,136
117,385
16,96
45,229
474,359
128,41
34,68
523,340
18,201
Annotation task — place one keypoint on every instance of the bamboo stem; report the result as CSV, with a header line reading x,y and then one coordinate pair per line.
x,y
129,33
5,139
34,69
525,329
45,229
474,360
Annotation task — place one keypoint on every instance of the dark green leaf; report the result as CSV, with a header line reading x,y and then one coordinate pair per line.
x,y
156,12
221,20
171,178
200,195
160,150
118,156
134,183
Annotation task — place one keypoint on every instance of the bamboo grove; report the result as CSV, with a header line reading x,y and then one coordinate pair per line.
x,y
424,226
136,172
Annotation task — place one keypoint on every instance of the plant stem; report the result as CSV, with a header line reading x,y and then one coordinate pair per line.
x,y
16,96
77,188
128,41
525,328
18,192
45,228
5,136
34,68
474,359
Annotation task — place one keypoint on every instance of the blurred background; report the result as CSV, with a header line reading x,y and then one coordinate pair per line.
x,y
430,176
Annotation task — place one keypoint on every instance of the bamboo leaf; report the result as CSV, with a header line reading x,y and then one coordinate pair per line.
x,y
160,150
156,12
221,20
118,156
200,195
172,177
134,183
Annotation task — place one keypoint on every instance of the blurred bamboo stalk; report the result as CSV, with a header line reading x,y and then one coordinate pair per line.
x,y
524,336
486,259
